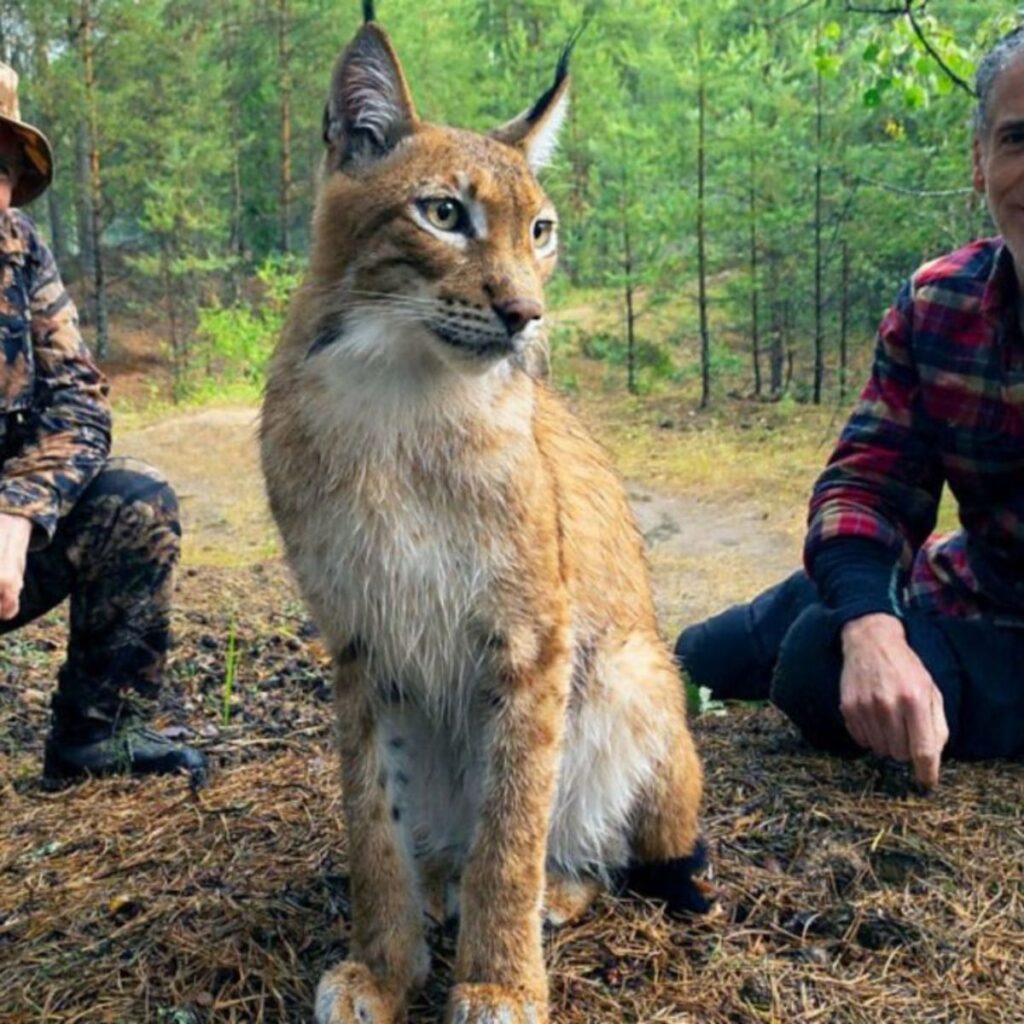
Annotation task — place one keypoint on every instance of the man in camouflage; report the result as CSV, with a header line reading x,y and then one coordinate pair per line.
x,y
74,522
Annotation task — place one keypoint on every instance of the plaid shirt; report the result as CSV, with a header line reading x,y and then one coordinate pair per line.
x,y
945,404
54,415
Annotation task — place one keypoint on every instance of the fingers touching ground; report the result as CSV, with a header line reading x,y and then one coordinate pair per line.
x,y
927,734
889,702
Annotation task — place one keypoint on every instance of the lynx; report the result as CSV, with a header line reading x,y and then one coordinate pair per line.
x,y
511,726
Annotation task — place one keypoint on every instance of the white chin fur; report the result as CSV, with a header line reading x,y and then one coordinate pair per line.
x,y
385,344
384,381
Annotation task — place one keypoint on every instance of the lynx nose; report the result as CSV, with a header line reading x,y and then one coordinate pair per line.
x,y
515,314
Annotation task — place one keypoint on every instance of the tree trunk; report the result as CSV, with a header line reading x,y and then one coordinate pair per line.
x,y
787,343
702,262
755,339
775,359
285,85
177,356
819,327
83,211
237,243
45,120
627,264
576,205
59,235
95,184
236,240
844,320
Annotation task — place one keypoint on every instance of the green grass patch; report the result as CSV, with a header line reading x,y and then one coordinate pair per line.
x,y
231,658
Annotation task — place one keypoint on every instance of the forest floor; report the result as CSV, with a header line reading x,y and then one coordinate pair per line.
x,y
843,895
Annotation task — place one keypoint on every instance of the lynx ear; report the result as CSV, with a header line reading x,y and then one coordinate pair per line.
x,y
535,131
370,109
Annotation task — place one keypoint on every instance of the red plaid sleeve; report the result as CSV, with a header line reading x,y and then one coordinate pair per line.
x,y
884,479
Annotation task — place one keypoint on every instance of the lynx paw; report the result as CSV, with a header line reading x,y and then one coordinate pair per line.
x,y
567,899
676,883
348,994
492,1004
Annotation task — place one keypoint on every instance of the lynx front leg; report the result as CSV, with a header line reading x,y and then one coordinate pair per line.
x,y
500,962
388,955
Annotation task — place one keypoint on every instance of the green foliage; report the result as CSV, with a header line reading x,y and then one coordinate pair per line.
x,y
699,701
192,129
612,349
607,347
234,342
724,363
567,382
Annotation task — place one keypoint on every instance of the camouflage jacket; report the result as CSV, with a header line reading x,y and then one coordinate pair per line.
x,y
54,414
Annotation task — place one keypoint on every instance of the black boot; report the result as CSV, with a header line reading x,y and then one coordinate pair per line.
x,y
128,748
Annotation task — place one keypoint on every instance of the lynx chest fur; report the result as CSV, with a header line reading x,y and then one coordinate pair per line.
x,y
409,532
509,720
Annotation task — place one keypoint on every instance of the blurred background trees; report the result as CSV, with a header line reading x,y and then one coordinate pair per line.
x,y
764,172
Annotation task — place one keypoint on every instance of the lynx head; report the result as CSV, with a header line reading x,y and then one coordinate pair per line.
x,y
435,242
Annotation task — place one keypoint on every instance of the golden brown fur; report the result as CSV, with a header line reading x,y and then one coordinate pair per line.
x,y
506,708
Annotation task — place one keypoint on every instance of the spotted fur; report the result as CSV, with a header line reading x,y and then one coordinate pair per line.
x,y
507,711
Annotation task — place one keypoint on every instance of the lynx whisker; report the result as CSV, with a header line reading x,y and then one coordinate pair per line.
x,y
413,300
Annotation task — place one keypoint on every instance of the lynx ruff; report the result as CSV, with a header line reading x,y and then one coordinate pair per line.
x,y
511,727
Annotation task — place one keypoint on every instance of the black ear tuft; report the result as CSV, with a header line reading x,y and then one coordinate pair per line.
x,y
534,132
368,14
561,74
671,882
563,62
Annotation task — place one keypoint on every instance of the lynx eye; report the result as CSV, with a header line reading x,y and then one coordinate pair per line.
x,y
543,233
444,214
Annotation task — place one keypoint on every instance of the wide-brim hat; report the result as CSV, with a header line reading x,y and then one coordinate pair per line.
x,y
36,171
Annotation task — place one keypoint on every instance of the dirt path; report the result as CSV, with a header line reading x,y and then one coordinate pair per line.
x,y
704,552
211,458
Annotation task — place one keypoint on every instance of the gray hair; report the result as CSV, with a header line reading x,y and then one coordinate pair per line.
x,y
1005,52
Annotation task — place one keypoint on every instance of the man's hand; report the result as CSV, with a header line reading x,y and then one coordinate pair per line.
x,y
888,700
15,532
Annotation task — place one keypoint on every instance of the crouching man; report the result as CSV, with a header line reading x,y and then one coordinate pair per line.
x,y
74,522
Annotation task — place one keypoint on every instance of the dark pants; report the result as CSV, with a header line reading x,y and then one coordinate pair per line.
x,y
113,554
784,646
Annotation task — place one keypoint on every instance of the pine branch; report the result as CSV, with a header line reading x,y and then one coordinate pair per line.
x,y
886,12
911,10
950,73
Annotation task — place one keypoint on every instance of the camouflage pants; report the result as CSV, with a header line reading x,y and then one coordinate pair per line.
x,y
113,554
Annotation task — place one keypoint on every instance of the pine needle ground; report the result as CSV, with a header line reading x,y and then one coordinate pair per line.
x,y
844,896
